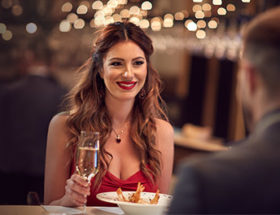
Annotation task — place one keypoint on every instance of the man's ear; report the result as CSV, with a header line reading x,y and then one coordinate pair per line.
x,y
252,77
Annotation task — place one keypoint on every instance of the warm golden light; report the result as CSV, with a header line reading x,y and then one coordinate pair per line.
x,y
168,23
134,20
122,1
108,11
168,16
201,24
72,17
97,5
206,7
66,7
109,20
99,13
112,3
146,5
156,24
222,11
144,13
158,19
231,7
200,34
246,1
179,16
187,22
99,21
217,2
199,14
7,35
212,24
82,9
124,13
65,26
31,28
144,23
3,28
196,8
79,24
117,17
134,10
17,10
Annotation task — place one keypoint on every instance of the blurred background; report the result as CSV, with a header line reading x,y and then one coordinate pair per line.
x,y
197,44
196,47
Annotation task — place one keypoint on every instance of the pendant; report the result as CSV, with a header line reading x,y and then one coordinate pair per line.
x,y
118,139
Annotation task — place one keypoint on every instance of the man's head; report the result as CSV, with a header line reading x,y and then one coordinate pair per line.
x,y
259,75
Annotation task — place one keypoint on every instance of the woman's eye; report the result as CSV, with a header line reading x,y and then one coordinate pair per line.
x,y
139,62
115,63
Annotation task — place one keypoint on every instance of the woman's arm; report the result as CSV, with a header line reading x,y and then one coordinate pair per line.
x,y
165,143
59,188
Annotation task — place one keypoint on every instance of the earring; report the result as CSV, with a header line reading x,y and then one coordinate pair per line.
x,y
142,93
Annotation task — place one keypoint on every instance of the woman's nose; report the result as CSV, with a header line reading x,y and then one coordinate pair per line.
x,y
128,73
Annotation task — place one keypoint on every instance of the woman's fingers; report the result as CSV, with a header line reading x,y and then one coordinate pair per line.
x,y
75,197
73,185
77,189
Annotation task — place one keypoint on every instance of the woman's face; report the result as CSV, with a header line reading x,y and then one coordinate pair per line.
x,y
124,70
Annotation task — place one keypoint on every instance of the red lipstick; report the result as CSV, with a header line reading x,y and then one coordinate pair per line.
x,y
127,85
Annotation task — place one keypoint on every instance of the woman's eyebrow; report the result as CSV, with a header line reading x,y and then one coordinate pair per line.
x,y
121,59
138,58
116,58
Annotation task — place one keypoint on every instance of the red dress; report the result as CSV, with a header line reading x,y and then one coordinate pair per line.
x,y
111,183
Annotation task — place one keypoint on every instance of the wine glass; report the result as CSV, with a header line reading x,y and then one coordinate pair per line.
x,y
87,157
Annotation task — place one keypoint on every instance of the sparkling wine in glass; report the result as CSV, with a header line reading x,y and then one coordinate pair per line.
x,y
87,160
87,157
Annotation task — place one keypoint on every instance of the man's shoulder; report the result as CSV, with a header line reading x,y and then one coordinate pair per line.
x,y
220,162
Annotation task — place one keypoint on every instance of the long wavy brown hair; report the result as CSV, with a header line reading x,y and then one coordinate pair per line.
x,y
87,109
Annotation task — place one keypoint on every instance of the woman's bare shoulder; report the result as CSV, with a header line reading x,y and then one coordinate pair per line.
x,y
165,131
58,127
59,119
164,126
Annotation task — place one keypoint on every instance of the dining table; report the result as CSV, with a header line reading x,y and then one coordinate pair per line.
x,y
57,210
188,146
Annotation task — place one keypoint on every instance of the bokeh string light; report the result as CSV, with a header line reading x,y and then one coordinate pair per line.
x,y
201,21
117,10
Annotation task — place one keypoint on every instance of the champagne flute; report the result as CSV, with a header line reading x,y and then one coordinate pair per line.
x,y
87,157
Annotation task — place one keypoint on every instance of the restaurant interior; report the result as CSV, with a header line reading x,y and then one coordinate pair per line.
x,y
197,45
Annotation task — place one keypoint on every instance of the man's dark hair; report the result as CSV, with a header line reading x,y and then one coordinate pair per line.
x,y
262,48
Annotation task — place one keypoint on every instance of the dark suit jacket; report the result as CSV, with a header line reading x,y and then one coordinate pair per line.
x,y
245,179
26,107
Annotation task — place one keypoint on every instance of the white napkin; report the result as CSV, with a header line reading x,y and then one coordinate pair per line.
x,y
59,210
105,211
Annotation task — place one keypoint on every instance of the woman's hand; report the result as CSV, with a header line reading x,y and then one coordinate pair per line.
x,y
76,191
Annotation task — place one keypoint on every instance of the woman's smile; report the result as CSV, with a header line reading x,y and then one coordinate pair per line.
x,y
127,85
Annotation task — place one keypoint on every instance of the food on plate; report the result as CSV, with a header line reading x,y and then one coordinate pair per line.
x,y
136,197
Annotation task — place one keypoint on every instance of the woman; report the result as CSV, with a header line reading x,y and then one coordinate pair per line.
x,y
118,95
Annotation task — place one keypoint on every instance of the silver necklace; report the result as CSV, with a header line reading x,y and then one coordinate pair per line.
x,y
118,136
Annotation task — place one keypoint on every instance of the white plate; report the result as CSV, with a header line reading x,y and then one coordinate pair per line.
x,y
137,208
